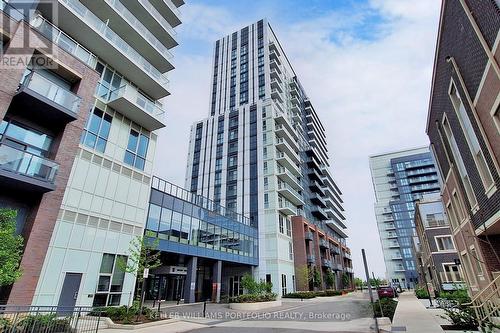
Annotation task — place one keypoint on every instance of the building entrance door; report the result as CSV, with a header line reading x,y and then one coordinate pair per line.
x,y
70,288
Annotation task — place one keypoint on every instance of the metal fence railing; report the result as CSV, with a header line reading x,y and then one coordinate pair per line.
x,y
48,319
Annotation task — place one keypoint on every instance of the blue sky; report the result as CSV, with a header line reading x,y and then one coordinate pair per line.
x,y
365,64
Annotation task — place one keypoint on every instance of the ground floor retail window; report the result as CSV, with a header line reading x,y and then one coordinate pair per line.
x,y
235,287
110,282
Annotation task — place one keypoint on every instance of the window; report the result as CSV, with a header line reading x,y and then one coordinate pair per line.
x,y
496,117
266,183
218,164
232,175
220,138
23,137
281,224
451,273
444,243
96,133
232,161
460,164
457,206
266,200
110,281
468,268
471,138
137,148
476,260
288,228
283,285
290,250
452,216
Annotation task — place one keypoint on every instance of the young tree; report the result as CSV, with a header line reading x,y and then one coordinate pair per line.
x,y
143,254
316,278
11,248
346,281
330,279
358,283
303,277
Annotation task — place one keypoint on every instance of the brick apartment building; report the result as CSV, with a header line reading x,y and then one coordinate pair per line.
x,y
464,130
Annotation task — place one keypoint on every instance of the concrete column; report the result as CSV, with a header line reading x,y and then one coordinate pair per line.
x,y
190,283
216,281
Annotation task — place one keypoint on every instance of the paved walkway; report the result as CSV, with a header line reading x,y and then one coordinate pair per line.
x,y
413,315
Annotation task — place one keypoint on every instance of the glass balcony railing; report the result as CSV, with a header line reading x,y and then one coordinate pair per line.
x,y
100,27
133,21
285,186
11,11
131,93
159,18
62,40
27,164
52,92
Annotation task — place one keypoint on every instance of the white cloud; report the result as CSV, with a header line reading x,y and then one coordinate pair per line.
x,y
371,93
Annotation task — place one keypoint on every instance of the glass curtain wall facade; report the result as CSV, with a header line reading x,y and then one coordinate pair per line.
x,y
399,179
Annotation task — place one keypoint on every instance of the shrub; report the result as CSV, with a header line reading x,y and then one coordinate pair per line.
x,y
43,323
460,296
421,293
329,293
388,307
461,316
301,294
253,287
253,298
123,313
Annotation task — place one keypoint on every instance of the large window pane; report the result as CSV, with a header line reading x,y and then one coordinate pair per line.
x,y
166,218
103,284
118,276
153,217
132,141
143,146
175,229
107,263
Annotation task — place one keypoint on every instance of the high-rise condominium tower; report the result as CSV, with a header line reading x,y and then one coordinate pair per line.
x,y
400,178
262,153
77,139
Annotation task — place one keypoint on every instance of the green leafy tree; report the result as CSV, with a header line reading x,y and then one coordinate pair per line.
x,y
316,278
330,279
303,277
142,254
346,281
11,248
358,282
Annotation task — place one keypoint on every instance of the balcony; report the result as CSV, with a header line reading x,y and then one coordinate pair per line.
x,y
132,104
275,76
275,67
274,56
285,147
288,177
349,269
281,119
323,243
284,132
274,48
276,94
326,263
319,213
316,199
127,25
390,227
392,235
168,10
47,99
336,267
399,269
61,39
295,108
314,175
276,84
308,236
397,257
393,245
286,207
287,162
316,187
347,255
290,193
86,27
334,250
335,226
23,170
295,100
311,259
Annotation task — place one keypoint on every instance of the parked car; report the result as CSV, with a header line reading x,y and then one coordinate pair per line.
x,y
386,292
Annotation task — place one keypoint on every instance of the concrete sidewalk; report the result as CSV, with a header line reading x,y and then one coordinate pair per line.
x,y
413,315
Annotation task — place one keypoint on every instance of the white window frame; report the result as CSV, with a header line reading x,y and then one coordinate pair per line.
x,y
464,176
477,261
495,113
471,139
452,215
445,236
452,264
